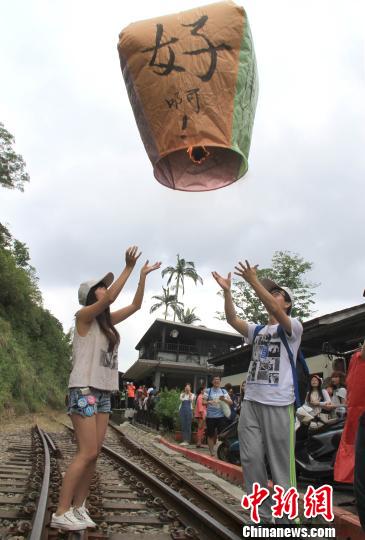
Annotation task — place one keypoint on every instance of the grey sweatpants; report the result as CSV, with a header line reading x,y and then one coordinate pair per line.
x,y
267,429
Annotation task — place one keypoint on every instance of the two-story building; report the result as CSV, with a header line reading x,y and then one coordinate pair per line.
x,y
172,354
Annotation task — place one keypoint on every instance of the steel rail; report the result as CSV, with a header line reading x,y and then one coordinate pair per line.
x,y
209,521
39,518
223,509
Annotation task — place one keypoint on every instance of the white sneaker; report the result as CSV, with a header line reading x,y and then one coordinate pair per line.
x,y
82,514
67,522
184,443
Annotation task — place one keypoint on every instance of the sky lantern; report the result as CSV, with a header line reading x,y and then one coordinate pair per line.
x,y
192,82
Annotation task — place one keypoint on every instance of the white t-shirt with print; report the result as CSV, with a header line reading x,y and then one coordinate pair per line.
x,y
269,378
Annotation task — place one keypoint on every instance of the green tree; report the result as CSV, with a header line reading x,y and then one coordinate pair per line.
x,y
183,269
34,351
187,316
166,300
5,237
287,269
12,165
167,408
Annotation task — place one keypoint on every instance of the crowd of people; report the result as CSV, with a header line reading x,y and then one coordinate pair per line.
x,y
325,401
141,398
266,406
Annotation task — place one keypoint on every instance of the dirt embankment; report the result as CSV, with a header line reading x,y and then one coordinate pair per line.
x,y
47,420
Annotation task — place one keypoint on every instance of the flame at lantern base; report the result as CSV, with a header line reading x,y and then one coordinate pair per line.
x,y
198,154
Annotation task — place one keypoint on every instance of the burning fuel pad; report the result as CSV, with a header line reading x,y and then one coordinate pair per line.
x,y
192,83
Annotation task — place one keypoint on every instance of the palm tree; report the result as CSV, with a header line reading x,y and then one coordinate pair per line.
x,y
166,299
183,269
187,316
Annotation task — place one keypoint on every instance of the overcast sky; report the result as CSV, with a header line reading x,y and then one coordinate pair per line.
x,y
92,191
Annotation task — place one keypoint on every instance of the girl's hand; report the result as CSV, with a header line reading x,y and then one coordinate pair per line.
x,y
225,283
147,269
131,256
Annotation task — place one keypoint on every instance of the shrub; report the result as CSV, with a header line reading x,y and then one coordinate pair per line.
x,y
167,409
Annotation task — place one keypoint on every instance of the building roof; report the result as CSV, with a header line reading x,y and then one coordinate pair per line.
x,y
144,368
337,316
343,328
188,330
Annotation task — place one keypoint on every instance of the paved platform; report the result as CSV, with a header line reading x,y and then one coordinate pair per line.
x,y
347,524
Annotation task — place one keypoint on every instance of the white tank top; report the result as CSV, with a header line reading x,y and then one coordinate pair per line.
x,y
92,364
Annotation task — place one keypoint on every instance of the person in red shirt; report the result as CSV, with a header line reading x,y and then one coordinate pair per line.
x,y
131,392
359,480
199,415
355,380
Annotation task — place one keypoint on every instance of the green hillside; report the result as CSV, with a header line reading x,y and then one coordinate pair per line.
x,y
34,351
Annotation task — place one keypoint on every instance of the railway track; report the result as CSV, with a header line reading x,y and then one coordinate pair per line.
x,y
24,484
132,493
182,514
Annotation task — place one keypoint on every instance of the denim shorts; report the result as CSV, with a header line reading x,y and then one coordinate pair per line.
x,y
88,401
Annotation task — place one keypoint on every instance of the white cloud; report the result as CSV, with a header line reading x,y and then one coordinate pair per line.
x,y
92,191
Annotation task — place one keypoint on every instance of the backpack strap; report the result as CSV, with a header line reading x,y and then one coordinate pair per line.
x,y
302,360
282,335
258,328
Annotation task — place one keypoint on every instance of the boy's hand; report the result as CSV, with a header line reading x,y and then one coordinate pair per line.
x,y
246,272
225,283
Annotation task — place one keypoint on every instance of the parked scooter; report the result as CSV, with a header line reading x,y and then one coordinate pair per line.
x,y
228,450
315,451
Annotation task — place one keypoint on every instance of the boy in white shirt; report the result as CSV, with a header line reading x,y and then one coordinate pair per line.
x,y
266,425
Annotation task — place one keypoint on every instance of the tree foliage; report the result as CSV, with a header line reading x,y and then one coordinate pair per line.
x,y
167,408
34,351
287,269
183,269
12,166
165,300
187,316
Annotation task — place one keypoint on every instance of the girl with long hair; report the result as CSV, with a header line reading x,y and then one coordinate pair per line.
x,y
186,413
317,397
339,397
93,378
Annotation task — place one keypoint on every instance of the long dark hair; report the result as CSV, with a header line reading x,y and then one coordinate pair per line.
x,y
317,389
104,319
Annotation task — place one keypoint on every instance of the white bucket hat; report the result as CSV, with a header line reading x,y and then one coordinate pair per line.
x,y
270,285
85,287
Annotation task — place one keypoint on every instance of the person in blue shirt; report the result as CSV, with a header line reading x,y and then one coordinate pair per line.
x,y
215,419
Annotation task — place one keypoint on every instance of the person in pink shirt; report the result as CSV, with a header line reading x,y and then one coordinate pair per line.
x,y
199,415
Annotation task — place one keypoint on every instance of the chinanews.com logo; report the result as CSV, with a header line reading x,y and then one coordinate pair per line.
x,y
317,502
